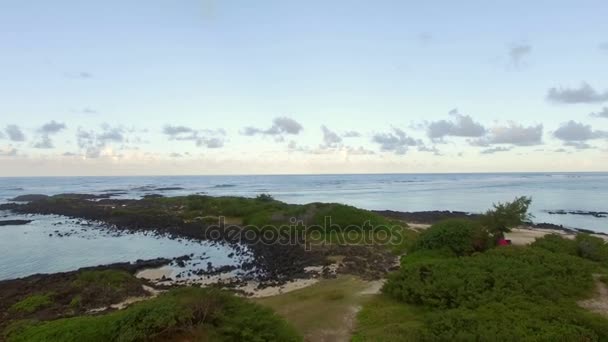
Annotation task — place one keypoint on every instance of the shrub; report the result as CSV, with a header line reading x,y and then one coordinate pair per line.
x,y
99,287
515,319
461,236
556,243
491,276
264,198
32,303
178,313
584,245
343,216
592,247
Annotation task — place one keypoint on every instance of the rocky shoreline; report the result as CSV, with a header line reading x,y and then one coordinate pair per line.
x,y
267,264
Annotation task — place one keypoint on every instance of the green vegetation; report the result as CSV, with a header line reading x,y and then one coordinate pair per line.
x,y
460,236
384,319
321,312
505,216
584,245
32,303
455,286
205,314
109,286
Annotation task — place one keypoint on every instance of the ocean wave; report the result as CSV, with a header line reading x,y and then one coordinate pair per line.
x,y
224,186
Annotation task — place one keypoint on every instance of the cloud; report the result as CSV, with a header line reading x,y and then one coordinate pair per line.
x,y
351,134
2,136
517,52
358,150
8,151
14,133
603,46
45,142
513,134
52,127
174,131
433,149
584,94
579,145
601,114
202,138
575,131
425,38
396,141
85,110
461,126
94,143
330,138
82,75
48,129
495,150
280,126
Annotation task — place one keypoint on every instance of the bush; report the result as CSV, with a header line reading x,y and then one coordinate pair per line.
x,y
592,247
107,286
489,277
32,303
584,245
557,244
515,319
176,314
461,236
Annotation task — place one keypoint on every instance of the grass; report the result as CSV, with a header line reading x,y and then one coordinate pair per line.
x,y
207,314
106,278
32,303
319,311
384,319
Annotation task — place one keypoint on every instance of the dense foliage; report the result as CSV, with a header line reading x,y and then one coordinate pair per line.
x,y
454,286
207,314
460,236
505,216
491,277
584,245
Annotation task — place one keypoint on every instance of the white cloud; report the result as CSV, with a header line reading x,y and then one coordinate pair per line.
x,y
584,94
601,114
517,53
396,141
280,126
14,133
460,126
576,131
202,138
513,134
330,138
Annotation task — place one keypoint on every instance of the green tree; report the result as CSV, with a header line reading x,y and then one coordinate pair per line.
x,y
505,216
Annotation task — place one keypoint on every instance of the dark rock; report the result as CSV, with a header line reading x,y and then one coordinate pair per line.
x,y
14,222
425,217
29,198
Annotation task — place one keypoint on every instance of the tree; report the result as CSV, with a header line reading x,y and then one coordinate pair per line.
x,y
507,215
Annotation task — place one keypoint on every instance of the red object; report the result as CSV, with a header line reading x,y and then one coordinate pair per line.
x,y
504,242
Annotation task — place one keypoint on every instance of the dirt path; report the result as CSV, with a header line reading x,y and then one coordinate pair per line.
x,y
326,311
599,303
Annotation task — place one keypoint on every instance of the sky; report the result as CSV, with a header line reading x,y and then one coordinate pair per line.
x,y
160,87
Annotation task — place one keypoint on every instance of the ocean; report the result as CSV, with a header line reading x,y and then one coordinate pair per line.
x,y
35,248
